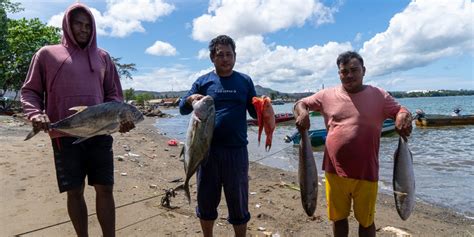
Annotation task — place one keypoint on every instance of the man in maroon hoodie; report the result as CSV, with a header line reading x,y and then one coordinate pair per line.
x,y
76,73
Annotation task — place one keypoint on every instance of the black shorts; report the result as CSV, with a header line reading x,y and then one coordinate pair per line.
x,y
92,158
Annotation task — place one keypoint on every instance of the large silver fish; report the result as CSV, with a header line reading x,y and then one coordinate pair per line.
x,y
308,175
198,138
403,180
101,119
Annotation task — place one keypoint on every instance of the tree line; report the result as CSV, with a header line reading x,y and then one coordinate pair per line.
x,y
435,93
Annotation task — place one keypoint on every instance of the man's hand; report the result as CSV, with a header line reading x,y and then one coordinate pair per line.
x,y
403,124
126,126
192,98
41,122
301,116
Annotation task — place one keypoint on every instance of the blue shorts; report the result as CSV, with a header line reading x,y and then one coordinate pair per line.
x,y
92,158
228,168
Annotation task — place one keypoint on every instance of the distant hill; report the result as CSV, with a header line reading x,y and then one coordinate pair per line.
x,y
259,89
281,95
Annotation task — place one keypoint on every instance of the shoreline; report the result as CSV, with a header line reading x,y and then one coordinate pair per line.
x,y
145,166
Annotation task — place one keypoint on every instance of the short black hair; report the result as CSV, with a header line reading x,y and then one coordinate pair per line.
x,y
223,40
345,57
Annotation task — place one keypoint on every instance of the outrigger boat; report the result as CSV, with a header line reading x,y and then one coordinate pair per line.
x,y
434,120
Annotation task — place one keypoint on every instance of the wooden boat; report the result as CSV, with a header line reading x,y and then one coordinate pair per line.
x,y
318,136
279,118
432,120
278,102
314,113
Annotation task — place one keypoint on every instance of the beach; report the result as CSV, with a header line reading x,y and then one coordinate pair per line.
x,y
145,166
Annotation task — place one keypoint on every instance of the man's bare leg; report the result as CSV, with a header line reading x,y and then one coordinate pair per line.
x,y
77,210
340,228
207,227
240,230
367,232
105,206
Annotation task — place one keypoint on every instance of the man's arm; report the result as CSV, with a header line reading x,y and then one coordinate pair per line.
x,y
300,110
33,91
403,123
251,94
401,115
186,102
32,96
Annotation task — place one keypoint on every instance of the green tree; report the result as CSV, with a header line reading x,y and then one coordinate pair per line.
x,y
141,98
5,6
24,38
124,69
129,94
273,95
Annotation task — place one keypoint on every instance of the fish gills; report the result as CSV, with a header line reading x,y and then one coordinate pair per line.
x,y
198,138
308,175
403,180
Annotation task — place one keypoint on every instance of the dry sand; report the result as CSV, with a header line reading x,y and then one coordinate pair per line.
x,y
30,202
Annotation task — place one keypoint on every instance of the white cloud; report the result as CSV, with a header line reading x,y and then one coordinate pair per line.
x,y
57,20
124,17
160,48
238,18
423,33
177,78
289,70
282,68
407,82
203,54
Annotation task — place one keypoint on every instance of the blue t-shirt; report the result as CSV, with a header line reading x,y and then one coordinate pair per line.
x,y
232,97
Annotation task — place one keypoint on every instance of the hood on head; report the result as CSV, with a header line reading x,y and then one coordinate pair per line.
x,y
68,38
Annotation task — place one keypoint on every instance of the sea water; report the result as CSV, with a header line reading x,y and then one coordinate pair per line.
x,y
443,156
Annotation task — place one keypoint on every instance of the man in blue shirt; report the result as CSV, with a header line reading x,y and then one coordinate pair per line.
x,y
227,164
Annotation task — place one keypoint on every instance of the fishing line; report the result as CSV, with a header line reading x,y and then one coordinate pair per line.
x,y
92,214
142,200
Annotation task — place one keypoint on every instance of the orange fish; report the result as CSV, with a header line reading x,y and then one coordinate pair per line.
x,y
265,118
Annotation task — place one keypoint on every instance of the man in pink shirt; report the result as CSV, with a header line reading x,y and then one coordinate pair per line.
x,y
76,73
353,114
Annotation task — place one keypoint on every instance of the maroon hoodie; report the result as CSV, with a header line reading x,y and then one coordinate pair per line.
x,y
64,75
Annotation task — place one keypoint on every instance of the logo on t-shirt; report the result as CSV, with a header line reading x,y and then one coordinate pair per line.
x,y
226,91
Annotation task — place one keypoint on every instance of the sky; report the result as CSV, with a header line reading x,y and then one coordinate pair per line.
x,y
286,45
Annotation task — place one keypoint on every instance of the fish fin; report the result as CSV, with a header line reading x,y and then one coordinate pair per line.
x,y
31,134
186,192
78,108
183,154
79,140
400,193
179,187
195,124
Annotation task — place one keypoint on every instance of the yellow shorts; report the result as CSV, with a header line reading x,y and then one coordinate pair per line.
x,y
341,191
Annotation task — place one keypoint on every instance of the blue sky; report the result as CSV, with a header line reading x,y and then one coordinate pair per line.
x,y
287,45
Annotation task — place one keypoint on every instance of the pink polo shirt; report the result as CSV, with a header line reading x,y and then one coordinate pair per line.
x,y
354,123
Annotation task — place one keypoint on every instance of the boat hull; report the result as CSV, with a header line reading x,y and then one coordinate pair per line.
x,y
434,120
279,118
